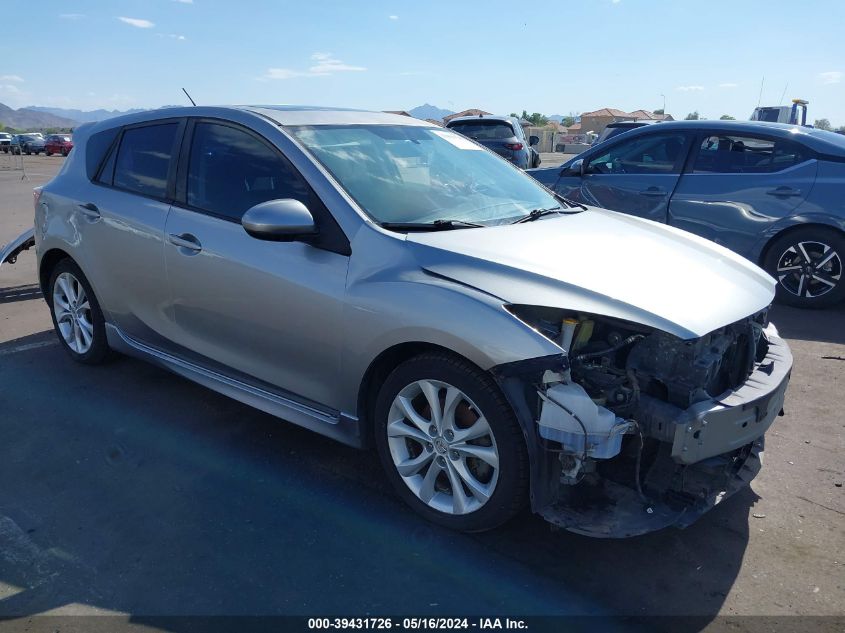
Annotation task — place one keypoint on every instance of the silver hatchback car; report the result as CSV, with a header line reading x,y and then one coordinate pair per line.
x,y
393,284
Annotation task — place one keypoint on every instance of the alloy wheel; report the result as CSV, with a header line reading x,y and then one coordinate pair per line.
x,y
442,447
809,269
72,310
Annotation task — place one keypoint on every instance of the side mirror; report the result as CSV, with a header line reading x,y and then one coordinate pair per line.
x,y
575,169
533,140
279,220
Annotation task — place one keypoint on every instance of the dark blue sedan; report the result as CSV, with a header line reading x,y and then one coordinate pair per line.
x,y
773,193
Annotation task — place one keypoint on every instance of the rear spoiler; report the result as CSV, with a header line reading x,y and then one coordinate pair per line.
x,y
9,253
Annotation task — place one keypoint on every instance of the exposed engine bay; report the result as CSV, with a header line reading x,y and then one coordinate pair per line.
x,y
635,427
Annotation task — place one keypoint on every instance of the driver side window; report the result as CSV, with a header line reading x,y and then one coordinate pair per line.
x,y
649,154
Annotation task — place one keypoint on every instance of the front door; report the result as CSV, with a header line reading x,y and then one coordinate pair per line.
x,y
271,310
635,176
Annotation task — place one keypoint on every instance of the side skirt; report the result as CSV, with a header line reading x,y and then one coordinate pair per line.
x,y
336,425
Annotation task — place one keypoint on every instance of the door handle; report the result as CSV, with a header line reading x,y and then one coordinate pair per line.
x,y
186,241
784,192
90,211
654,192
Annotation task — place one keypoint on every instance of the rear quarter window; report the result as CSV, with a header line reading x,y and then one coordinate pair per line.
x,y
95,151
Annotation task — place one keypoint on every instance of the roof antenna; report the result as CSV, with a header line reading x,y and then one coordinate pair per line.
x,y
193,103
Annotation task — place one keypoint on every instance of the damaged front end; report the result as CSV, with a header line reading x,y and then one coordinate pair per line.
x,y
9,253
633,429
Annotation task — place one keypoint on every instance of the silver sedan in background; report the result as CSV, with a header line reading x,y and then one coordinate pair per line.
x,y
393,284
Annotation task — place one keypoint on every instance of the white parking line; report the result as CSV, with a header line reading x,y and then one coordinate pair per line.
x,y
27,347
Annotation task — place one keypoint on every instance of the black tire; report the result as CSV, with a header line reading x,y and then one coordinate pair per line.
x,y
99,349
820,244
48,153
510,493
64,152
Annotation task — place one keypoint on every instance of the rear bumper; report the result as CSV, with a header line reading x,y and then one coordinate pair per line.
x,y
10,252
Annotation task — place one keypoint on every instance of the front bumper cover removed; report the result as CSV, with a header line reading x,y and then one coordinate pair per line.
x,y
716,450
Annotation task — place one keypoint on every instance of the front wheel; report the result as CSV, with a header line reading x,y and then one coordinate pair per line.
x,y
807,264
450,443
77,317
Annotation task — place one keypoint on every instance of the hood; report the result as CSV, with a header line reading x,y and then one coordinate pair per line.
x,y
604,263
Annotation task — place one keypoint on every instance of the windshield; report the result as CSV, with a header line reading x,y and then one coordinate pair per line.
x,y
402,173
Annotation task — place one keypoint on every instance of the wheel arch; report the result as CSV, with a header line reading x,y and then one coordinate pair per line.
x,y
792,228
46,266
380,368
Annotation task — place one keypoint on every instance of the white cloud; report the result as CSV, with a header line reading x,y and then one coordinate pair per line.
x,y
831,77
15,78
71,16
172,36
393,17
325,65
728,84
690,88
9,89
137,22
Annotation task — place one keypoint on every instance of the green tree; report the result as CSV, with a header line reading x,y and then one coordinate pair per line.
x,y
567,121
822,124
693,116
726,117
659,111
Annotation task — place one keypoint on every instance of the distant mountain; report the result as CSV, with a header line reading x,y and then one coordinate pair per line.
x,y
27,119
428,111
82,116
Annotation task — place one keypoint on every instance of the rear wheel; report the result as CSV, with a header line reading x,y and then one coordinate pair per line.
x,y
450,443
77,317
48,153
807,264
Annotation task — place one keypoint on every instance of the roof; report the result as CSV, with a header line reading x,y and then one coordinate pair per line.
x,y
607,112
280,114
470,112
650,116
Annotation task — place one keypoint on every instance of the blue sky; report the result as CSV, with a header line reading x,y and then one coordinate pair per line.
x,y
558,57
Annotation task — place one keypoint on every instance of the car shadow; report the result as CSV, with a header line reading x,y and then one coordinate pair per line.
x,y
20,293
139,492
825,326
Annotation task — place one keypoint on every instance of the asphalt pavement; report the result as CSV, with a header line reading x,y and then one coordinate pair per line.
x,y
129,490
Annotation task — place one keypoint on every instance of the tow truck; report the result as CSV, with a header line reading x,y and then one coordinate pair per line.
x,y
796,114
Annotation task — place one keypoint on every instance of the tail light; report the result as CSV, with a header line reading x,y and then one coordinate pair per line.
x,y
514,146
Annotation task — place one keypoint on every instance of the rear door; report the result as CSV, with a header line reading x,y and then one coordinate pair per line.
x,y
738,184
271,310
633,175
121,218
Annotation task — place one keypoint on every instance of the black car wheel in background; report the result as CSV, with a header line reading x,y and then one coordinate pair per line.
x,y
807,263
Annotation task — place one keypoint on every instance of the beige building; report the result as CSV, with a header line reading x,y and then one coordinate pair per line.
x,y
599,119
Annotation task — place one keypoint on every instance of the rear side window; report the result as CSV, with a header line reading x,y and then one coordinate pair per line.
x,y
482,130
723,154
143,159
230,171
